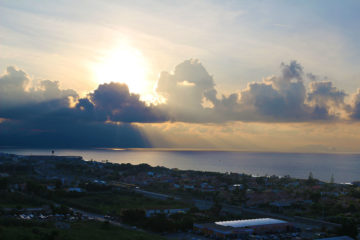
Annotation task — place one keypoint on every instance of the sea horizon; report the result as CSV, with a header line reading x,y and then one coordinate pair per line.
x,y
178,149
344,167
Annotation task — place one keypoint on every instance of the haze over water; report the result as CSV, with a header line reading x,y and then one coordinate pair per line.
x,y
345,167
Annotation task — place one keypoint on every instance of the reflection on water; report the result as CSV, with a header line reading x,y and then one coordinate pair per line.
x,y
345,167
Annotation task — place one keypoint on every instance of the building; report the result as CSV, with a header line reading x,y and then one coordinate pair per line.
x,y
238,228
152,212
337,238
75,189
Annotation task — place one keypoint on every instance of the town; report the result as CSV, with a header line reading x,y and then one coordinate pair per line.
x,y
58,197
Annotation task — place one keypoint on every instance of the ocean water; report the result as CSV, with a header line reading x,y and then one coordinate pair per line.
x,y
344,167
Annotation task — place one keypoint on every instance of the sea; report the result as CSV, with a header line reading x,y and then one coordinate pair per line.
x,y
344,167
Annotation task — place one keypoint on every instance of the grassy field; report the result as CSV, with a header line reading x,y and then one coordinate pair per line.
x,y
116,202
77,231
19,200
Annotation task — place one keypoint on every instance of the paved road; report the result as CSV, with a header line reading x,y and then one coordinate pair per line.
x,y
156,195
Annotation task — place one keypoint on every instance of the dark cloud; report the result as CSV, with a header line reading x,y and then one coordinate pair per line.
x,y
292,71
281,98
355,112
114,102
109,102
278,98
313,77
56,131
32,110
44,114
15,90
324,94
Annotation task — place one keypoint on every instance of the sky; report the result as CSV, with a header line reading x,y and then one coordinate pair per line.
x,y
239,75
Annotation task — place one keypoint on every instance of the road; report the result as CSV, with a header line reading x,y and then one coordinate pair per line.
x,y
155,195
99,217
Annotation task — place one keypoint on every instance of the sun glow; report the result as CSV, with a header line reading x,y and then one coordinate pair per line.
x,y
124,64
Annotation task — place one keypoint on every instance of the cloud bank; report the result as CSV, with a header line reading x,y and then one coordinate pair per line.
x,y
192,97
44,115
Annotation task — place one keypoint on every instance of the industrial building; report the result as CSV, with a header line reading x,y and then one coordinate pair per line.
x,y
238,228
337,238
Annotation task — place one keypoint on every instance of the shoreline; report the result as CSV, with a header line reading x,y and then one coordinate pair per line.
x,y
253,175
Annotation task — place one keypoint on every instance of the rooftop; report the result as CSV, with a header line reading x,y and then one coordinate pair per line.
x,y
337,238
250,222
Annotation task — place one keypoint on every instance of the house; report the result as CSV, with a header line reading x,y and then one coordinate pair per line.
x,y
75,189
236,187
99,182
189,187
281,204
51,187
152,212
4,175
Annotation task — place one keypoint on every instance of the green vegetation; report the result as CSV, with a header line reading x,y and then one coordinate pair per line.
x,y
58,184
158,222
17,230
19,200
113,202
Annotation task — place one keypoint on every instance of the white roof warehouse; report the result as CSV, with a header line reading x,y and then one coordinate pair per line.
x,y
229,229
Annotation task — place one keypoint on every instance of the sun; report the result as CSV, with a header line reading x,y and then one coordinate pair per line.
x,y
124,64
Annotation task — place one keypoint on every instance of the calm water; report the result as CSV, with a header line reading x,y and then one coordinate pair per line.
x,y
345,167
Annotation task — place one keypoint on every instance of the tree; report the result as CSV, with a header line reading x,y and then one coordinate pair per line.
x,y
133,216
160,223
105,225
349,228
35,188
311,179
216,209
186,223
58,184
3,183
315,196
332,179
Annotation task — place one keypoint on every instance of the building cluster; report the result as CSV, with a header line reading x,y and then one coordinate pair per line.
x,y
271,192
300,198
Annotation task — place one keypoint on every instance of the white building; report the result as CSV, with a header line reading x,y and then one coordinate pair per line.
x,y
237,228
337,238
